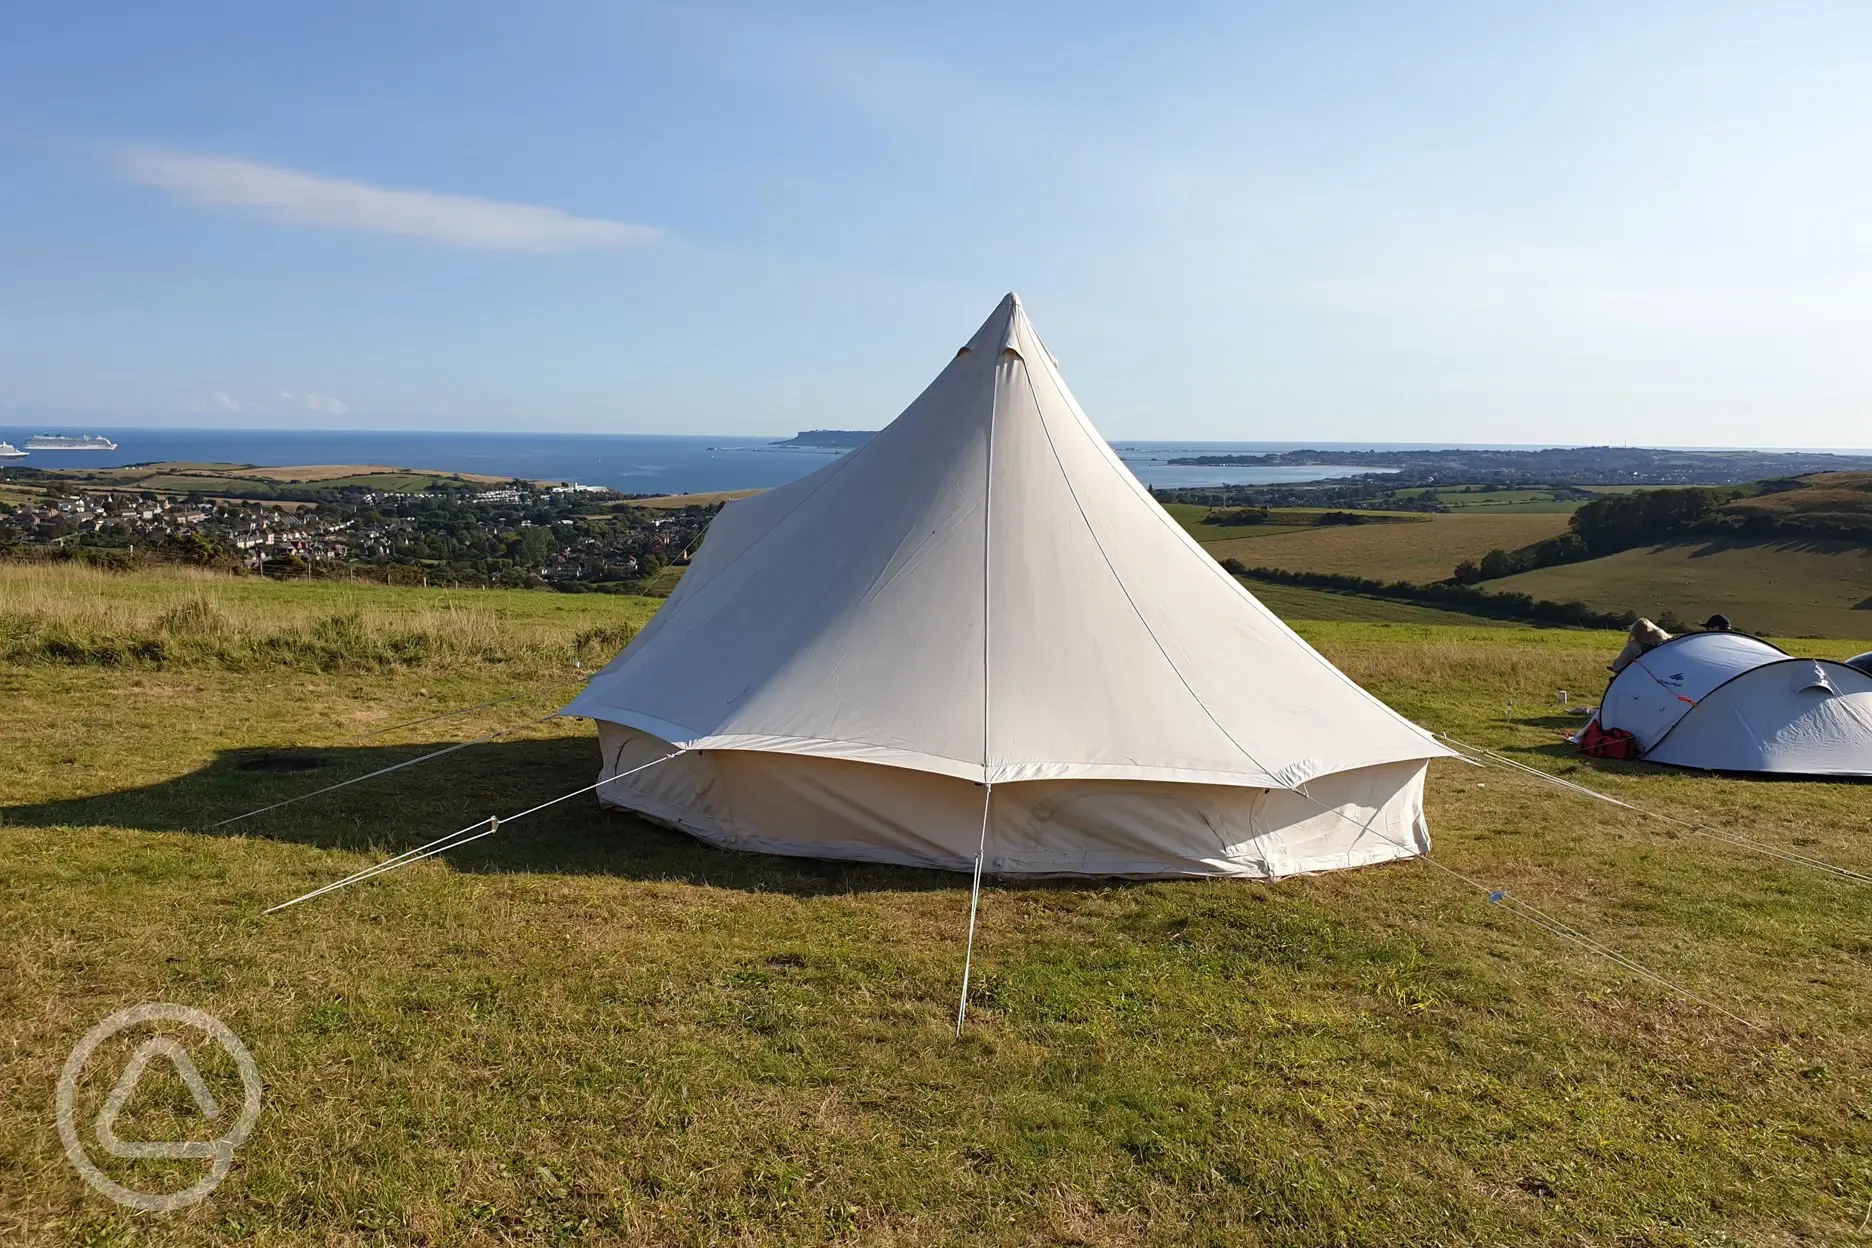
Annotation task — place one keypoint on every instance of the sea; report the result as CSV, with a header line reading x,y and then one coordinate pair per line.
x,y
628,463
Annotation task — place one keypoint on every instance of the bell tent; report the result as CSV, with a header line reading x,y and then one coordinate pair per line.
x,y
977,639
1730,702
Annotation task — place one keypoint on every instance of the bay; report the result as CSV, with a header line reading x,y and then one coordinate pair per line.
x,y
630,463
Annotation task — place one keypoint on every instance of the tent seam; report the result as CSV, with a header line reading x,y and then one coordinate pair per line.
x,y
1126,590
1165,519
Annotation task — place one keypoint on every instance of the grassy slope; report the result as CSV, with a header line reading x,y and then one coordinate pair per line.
x,y
1845,495
1190,516
183,477
1427,551
588,1030
347,472
251,622
662,501
1800,587
1498,502
1296,603
1281,520
1292,602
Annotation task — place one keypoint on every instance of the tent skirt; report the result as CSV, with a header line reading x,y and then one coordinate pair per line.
x,y
814,807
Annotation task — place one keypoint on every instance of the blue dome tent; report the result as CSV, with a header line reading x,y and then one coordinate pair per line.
x,y
1724,701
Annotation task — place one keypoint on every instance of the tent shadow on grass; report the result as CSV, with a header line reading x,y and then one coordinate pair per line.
x,y
408,808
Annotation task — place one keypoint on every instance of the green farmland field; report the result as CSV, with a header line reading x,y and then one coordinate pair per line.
x,y
1805,587
1192,517
1423,550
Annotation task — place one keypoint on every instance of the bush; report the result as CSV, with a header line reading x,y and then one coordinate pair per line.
x,y
286,567
1622,521
1236,515
1445,594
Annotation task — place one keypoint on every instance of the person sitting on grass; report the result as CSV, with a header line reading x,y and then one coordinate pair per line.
x,y
1718,623
1642,636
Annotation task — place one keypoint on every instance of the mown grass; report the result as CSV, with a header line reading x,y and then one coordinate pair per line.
x,y
587,1030
1798,587
1425,551
1296,603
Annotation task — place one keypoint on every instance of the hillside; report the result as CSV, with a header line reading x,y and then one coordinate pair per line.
x,y
587,1029
1423,550
1792,555
830,439
670,502
249,481
1838,498
1808,587
1574,465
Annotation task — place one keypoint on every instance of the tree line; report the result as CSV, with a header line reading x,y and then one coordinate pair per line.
x,y
1617,522
1467,598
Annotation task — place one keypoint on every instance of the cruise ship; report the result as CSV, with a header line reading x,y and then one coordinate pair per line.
x,y
59,442
9,451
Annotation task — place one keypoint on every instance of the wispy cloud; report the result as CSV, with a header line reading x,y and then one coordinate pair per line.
x,y
293,198
322,403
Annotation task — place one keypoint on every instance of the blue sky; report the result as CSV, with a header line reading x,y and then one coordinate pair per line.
x,y
1397,221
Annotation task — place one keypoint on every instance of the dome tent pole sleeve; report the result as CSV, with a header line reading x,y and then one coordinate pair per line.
x,y
455,839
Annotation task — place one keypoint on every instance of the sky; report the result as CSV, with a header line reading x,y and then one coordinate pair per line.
x,y
1397,220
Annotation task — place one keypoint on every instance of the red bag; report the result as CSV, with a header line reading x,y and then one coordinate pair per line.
x,y
1607,742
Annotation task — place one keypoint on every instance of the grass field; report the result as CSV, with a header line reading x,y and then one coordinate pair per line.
x,y
1280,520
345,472
587,1030
1498,502
1295,603
1428,550
69,613
177,477
1842,497
1805,587
672,501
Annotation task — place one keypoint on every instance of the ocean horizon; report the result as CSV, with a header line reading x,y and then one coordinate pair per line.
x,y
626,462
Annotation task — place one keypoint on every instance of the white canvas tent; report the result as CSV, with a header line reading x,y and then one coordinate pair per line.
x,y
982,598
1731,702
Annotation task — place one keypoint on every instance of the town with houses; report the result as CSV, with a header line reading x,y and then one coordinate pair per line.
x,y
566,536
